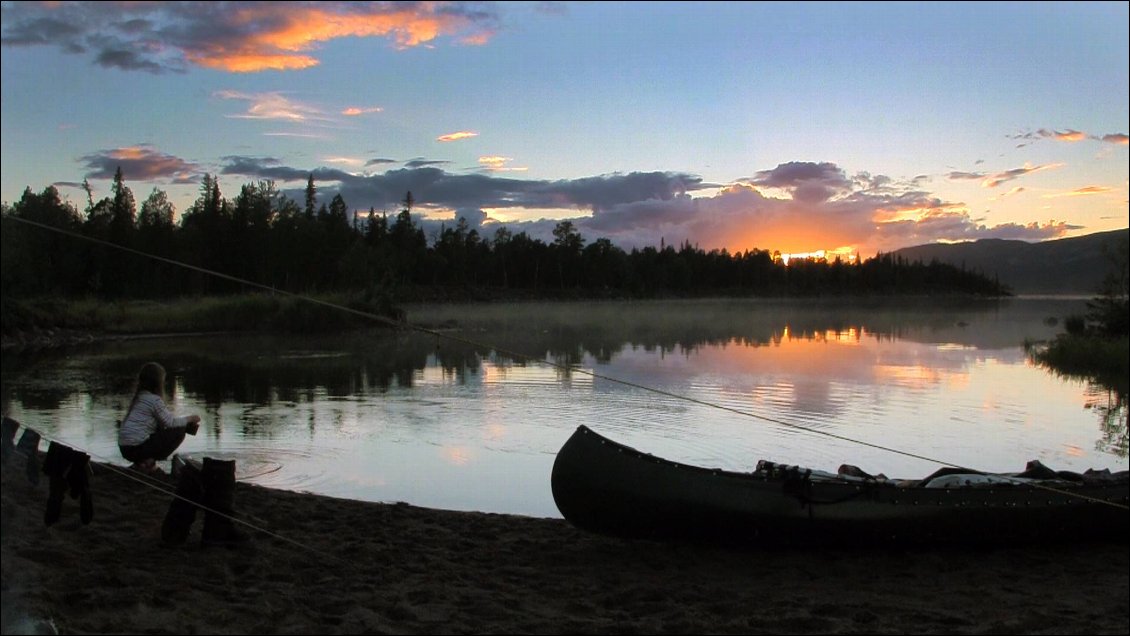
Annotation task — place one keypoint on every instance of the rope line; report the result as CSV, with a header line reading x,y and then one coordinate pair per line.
x,y
522,356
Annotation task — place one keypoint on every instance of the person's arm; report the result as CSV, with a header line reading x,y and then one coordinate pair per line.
x,y
166,419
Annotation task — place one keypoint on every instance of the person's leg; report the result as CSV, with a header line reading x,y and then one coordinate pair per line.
x,y
164,442
133,453
158,447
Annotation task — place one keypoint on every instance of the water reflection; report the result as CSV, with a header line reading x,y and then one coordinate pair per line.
x,y
1110,405
1105,394
474,423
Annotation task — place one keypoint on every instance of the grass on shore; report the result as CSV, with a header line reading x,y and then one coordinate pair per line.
x,y
1104,360
248,312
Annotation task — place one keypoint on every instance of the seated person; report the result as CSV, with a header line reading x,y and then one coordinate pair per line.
x,y
149,431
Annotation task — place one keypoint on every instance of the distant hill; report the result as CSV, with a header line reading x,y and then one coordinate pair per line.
x,y
1063,266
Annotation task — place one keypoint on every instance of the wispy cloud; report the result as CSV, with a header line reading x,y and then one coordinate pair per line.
x,y
496,163
271,168
1070,135
456,136
1014,190
1080,192
348,161
960,176
297,134
239,37
354,111
1067,135
1008,175
273,106
1046,133
138,163
423,163
378,161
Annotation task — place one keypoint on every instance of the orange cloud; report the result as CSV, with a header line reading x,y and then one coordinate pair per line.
x,y
275,35
129,152
1120,139
456,136
917,211
141,162
237,62
477,39
1069,135
354,111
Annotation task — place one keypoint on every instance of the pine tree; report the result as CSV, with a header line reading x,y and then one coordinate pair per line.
x,y
311,197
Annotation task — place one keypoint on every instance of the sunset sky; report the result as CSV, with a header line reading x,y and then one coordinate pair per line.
x,y
795,126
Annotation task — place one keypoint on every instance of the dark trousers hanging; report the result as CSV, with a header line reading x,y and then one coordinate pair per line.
x,y
67,469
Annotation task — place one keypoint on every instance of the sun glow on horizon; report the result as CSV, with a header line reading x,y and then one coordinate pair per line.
x,y
817,255
845,254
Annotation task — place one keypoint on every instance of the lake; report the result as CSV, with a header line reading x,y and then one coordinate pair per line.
x,y
471,415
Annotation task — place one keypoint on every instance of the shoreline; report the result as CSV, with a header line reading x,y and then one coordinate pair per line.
x,y
61,338
48,336
343,566
35,327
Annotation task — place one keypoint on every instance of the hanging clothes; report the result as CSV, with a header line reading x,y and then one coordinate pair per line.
x,y
29,447
67,469
8,438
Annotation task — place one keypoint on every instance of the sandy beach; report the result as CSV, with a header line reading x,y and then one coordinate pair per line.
x,y
326,566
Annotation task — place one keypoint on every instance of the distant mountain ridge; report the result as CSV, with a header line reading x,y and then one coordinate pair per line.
x,y
1073,266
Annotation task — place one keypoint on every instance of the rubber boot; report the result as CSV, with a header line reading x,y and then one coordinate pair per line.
x,y
218,478
182,511
55,466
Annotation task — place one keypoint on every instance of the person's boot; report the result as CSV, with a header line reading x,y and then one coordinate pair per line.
x,y
55,466
182,511
218,478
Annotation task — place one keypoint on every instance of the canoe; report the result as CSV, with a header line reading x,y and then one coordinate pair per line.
x,y
609,488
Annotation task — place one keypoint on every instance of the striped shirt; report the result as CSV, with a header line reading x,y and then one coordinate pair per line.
x,y
149,413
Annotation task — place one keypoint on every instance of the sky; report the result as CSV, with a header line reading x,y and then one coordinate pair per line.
x,y
849,128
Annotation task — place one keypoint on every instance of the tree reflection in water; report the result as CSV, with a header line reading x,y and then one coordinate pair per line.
x,y
1110,404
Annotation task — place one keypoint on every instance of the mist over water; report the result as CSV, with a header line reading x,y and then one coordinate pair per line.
x,y
473,421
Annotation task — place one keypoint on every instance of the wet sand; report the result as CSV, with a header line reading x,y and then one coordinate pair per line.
x,y
325,566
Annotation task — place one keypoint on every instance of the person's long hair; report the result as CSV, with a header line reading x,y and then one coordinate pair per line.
x,y
151,378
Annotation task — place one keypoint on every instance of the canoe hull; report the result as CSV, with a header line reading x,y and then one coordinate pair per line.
x,y
609,488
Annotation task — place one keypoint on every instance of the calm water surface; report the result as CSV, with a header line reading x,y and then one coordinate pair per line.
x,y
473,421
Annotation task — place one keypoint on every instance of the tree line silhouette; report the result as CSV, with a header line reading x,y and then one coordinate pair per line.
x,y
266,237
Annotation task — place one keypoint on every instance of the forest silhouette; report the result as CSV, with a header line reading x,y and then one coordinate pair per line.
x,y
313,247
